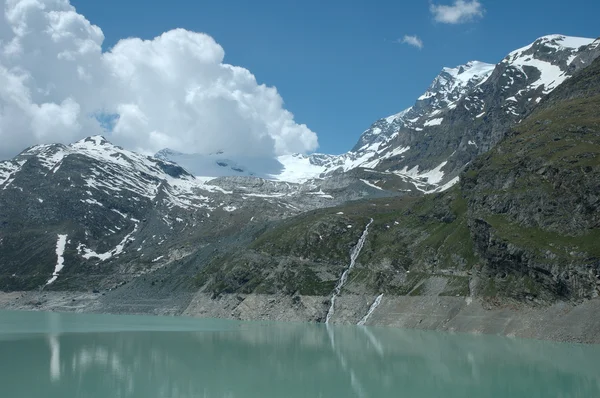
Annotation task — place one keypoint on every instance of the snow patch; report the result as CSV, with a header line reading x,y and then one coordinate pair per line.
x,y
395,152
89,254
434,176
371,185
447,185
60,261
297,168
392,118
91,202
321,194
119,213
434,122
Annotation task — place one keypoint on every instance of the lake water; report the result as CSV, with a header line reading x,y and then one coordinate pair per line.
x,y
80,355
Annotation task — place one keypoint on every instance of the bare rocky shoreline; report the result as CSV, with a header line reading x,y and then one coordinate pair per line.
x,y
559,322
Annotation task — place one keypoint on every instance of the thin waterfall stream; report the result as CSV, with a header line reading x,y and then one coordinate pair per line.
x,y
371,309
353,256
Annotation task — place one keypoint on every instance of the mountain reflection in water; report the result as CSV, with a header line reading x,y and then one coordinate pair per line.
x,y
71,355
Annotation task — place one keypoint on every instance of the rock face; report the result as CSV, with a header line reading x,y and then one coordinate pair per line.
x,y
533,199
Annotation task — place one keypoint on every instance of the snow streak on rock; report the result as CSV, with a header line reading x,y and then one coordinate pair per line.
x,y
89,254
353,256
371,309
60,261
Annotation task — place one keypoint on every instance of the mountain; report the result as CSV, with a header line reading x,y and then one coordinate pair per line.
x,y
521,227
507,153
113,214
464,112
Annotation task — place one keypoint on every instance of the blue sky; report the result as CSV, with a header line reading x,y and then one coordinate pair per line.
x,y
337,64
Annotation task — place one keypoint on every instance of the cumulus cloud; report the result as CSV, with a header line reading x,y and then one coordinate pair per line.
x,y
412,40
57,85
460,12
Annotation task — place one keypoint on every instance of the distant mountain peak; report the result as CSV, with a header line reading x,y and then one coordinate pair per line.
x,y
553,42
95,140
473,67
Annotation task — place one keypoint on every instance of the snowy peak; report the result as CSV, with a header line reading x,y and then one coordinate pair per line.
x,y
474,72
453,83
548,45
100,150
467,108
99,168
97,140
544,63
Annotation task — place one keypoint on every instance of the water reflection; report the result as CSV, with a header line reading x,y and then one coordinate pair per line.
x,y
53,320
54,357
290,360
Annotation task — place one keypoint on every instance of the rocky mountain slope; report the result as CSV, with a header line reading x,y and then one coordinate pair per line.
x,y
522,226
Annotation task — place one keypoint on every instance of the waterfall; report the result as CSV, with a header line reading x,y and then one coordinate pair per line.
x,y
353,256
371,309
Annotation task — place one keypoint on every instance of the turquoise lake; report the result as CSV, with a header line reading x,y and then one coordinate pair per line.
x,y
84,355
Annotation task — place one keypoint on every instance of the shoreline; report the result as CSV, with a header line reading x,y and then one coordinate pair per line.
x,y
561,322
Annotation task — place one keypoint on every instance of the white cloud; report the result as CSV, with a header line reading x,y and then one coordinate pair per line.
x,y
174,90
412,40
460,12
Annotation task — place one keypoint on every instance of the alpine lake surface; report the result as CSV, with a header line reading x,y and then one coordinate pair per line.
x,y
86,355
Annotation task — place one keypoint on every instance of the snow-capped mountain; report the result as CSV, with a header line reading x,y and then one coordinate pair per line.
x,y
447,88
463,113
107,209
